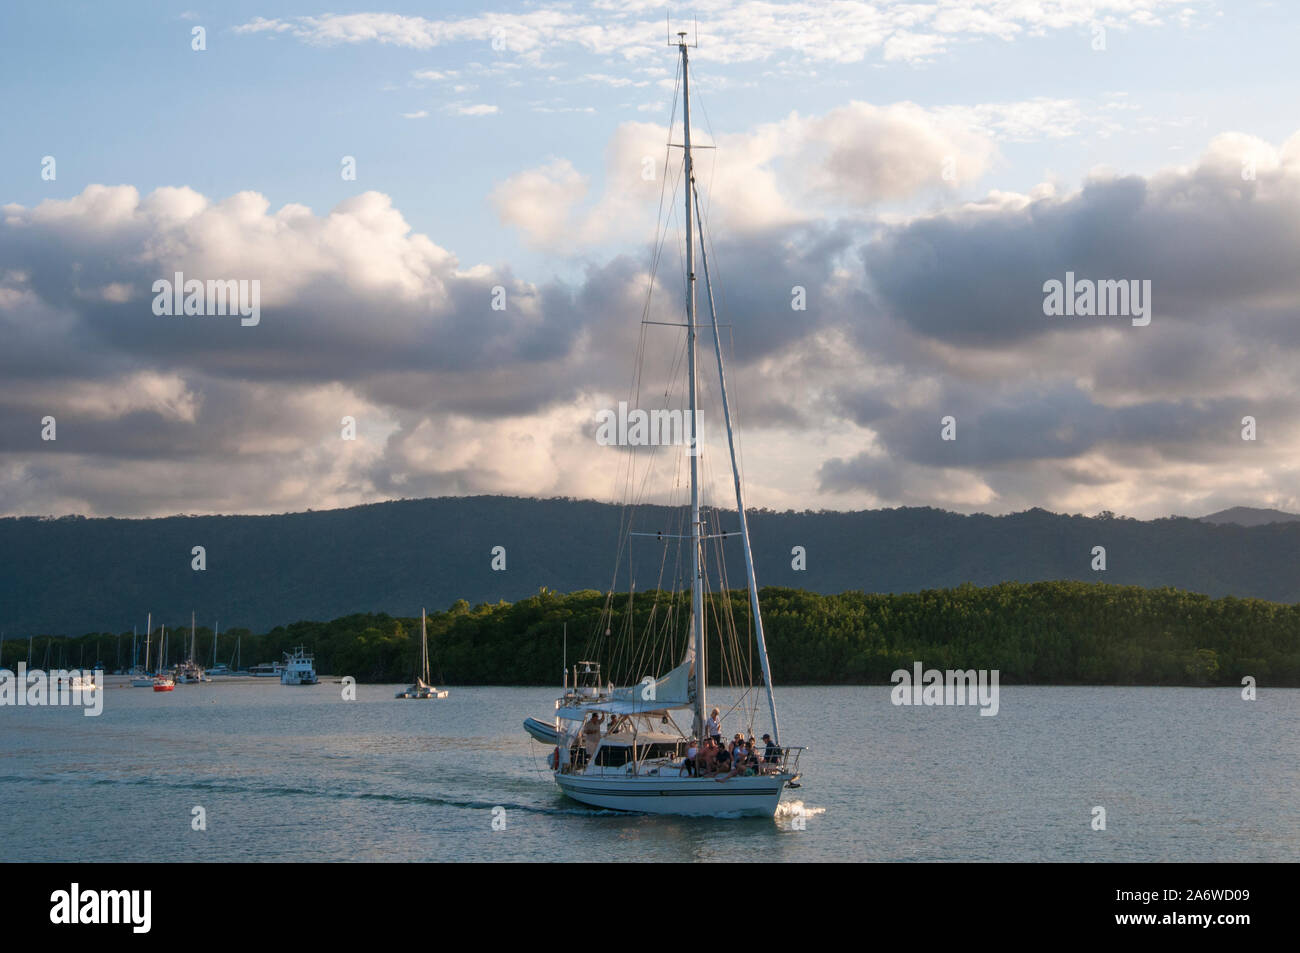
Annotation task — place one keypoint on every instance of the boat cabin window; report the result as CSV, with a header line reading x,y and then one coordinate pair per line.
x,y
615,756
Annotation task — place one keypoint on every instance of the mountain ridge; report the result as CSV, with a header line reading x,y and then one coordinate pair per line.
x,y
70,575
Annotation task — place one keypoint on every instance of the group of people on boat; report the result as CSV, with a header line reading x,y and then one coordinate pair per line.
x,y
742,757
712,758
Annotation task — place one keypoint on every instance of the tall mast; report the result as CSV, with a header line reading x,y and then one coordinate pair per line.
x,y
216,630
192,658
735,472
697,580
424,646
148,637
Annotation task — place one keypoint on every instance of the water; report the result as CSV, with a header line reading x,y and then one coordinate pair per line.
x,y
297,774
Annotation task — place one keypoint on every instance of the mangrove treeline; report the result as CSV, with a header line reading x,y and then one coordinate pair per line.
x,y
1057,633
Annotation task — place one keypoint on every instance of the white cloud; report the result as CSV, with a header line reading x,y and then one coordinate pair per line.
x,y
466,109
731,31
781,173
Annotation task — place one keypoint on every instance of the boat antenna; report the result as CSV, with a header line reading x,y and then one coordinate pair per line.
x,y
680,42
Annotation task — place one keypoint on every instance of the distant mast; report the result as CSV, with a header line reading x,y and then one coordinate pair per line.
x,y
424,646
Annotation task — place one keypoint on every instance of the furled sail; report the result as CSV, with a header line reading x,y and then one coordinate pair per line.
x,y
665,693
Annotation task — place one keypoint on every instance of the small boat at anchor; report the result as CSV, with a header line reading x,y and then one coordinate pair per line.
x,y
140,674
164,683
299,668
422,688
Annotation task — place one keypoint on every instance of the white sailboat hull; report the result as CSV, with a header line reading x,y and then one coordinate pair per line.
x,y
754,796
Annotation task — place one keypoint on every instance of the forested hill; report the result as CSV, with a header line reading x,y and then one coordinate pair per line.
x,y
1048,633
74,575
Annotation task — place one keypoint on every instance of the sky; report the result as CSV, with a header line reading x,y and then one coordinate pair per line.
x,y
388,173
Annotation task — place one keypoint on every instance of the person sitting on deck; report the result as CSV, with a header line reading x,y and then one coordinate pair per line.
x,y
771,754
738,757
702,758
721,760
708,755
692,754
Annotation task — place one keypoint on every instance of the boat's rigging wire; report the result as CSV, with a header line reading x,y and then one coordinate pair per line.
x,y
626,654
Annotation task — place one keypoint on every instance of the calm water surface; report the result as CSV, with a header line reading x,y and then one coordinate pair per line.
x,y
297,774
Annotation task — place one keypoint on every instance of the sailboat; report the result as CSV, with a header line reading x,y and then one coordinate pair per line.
x,y
621,748
189,672
163,681
141,677
422,688
222,669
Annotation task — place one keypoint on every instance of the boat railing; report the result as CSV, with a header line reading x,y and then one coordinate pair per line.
x,y
789,758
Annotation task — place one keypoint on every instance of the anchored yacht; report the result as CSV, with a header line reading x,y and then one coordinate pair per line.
x,y
422,688
299,668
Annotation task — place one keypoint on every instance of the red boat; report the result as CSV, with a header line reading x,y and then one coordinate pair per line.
x,y
164,683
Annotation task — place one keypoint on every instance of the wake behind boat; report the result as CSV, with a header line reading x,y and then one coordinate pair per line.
x,y
623,748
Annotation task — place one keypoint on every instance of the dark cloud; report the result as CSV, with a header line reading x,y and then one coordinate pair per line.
x,y
904,324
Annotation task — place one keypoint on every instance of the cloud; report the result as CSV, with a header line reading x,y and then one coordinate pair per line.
x,y
1206,238
906,319
780,175
733,31
477,109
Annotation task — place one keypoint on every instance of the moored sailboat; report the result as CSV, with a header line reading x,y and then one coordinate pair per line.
x,y
140,676
189,672
422,688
